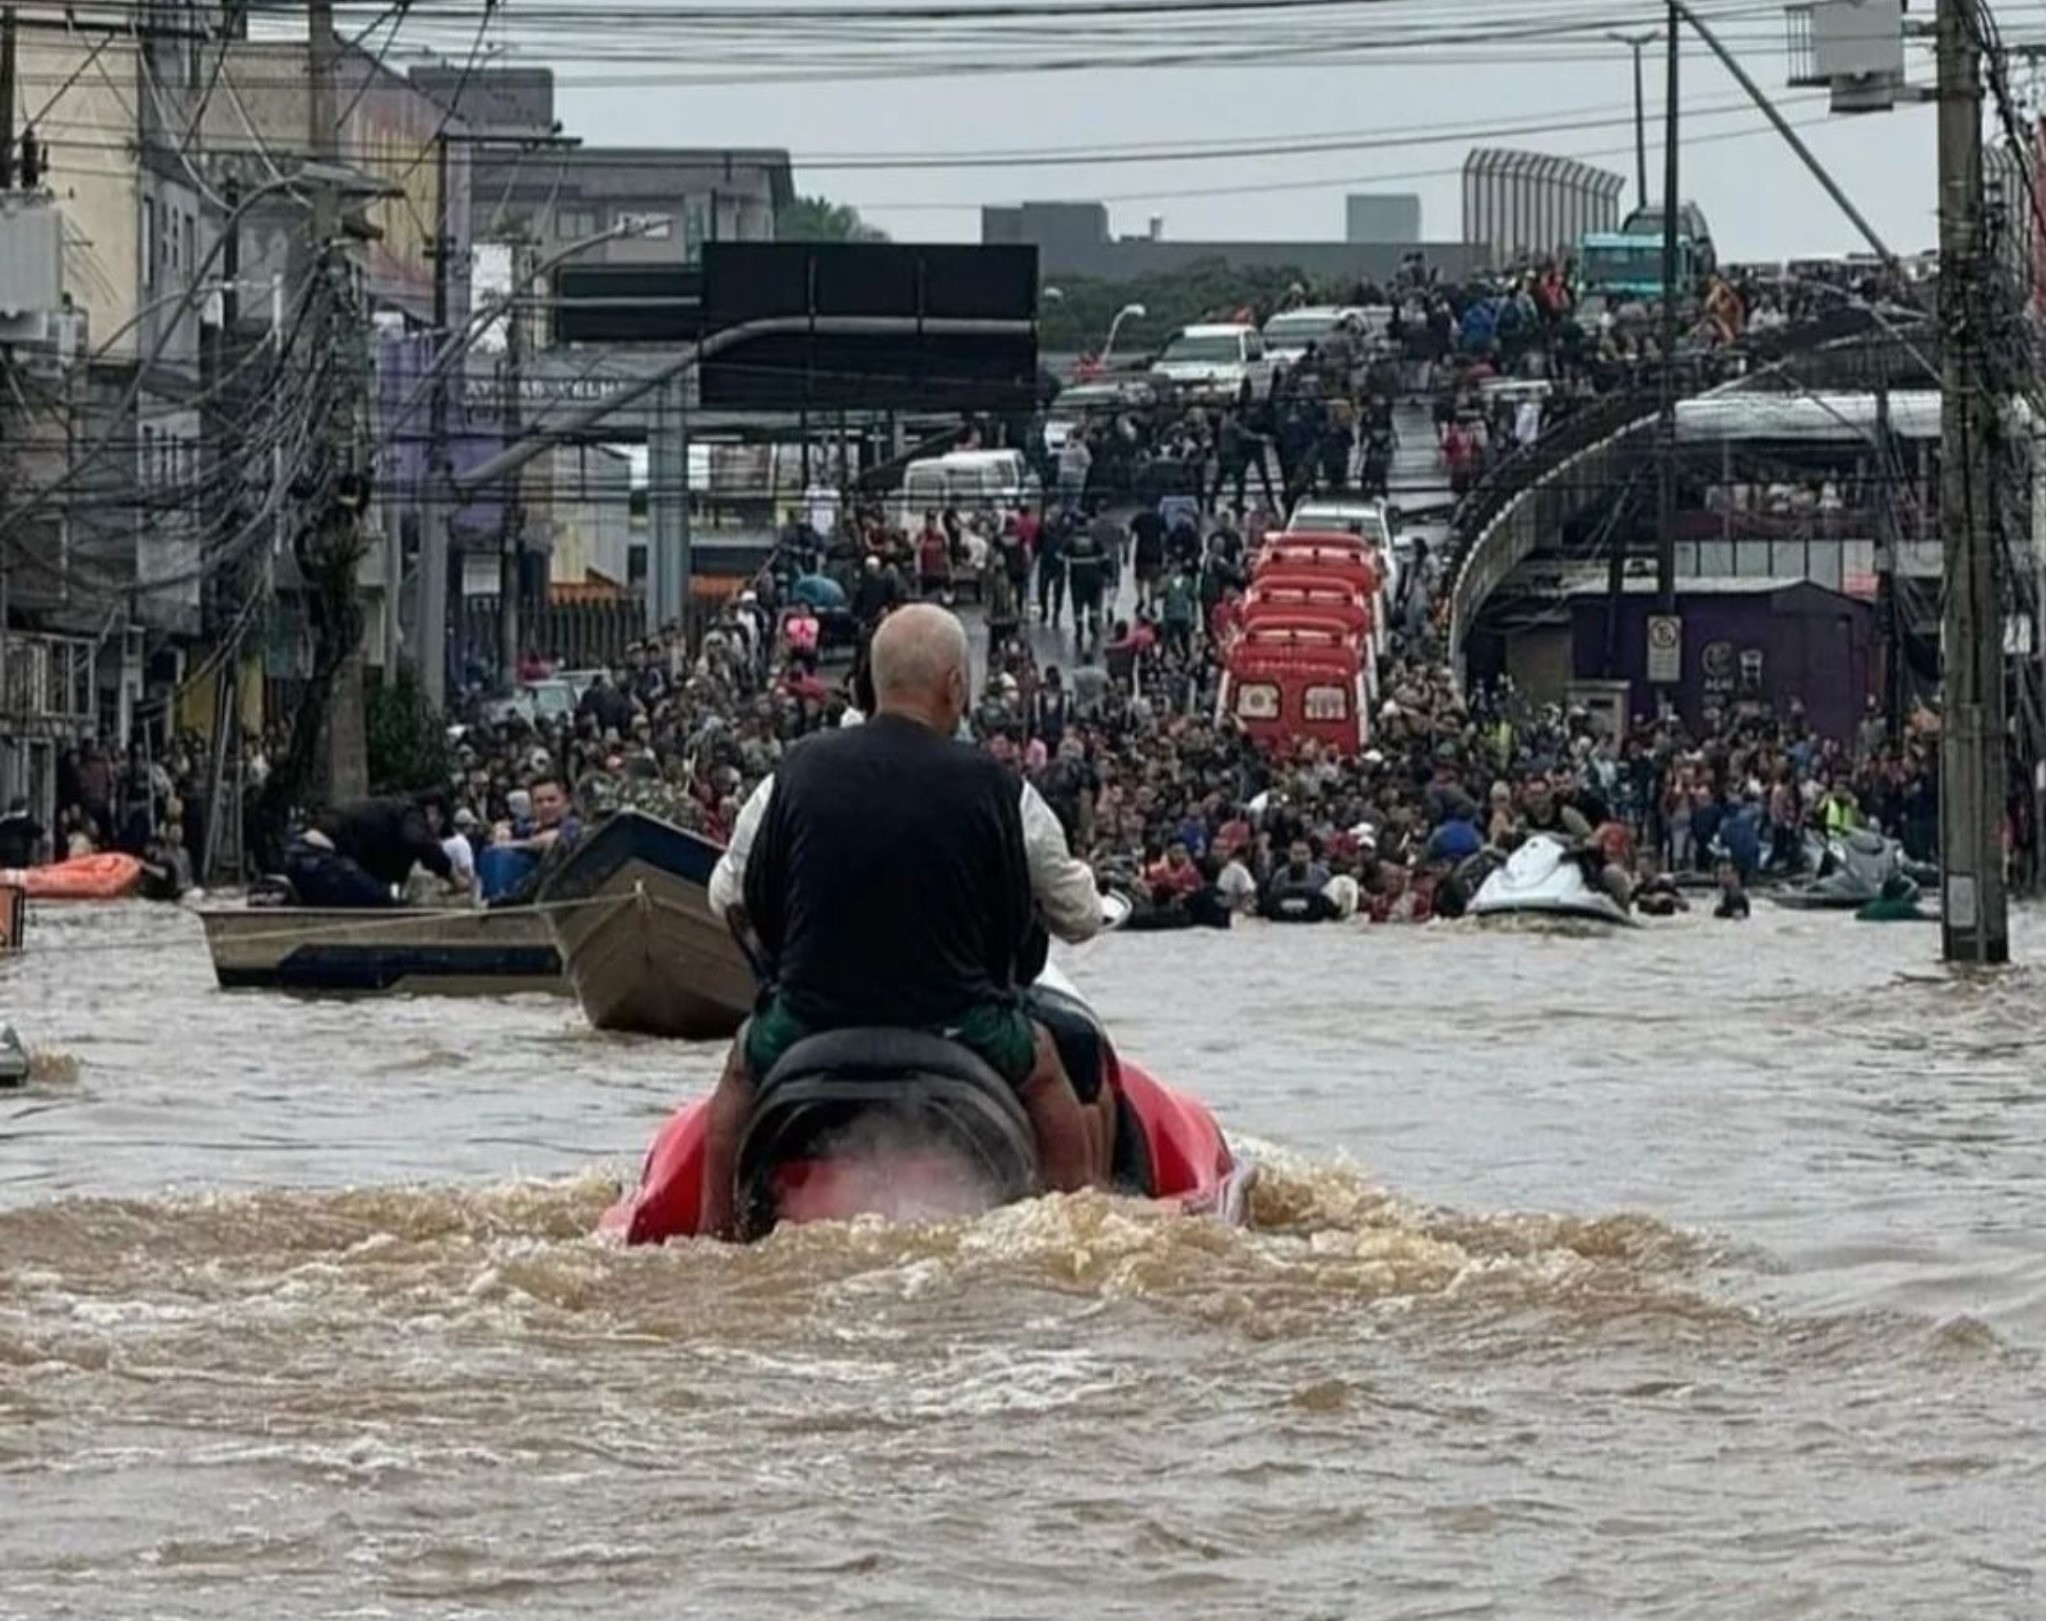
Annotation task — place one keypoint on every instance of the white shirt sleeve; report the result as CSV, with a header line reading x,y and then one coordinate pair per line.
x,y
728,878
1062,884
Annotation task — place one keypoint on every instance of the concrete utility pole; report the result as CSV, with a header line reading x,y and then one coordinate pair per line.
x,y
347,742
430,617
7,31
1974,909
1666,423
511,558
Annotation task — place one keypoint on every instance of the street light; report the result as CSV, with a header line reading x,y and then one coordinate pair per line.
x,y
1115,326
1635,43
336,177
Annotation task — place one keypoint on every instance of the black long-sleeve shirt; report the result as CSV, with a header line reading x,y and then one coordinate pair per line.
x,y
384,837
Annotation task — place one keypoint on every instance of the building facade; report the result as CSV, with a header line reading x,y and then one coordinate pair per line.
x,y
399,139
113,375
531,184
1382,217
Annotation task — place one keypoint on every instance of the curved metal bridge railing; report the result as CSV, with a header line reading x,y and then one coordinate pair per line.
x,y
1534,491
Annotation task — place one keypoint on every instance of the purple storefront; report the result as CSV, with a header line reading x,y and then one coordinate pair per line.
x,y
1746,643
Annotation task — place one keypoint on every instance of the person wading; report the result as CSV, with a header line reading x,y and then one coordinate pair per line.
x,y
879,907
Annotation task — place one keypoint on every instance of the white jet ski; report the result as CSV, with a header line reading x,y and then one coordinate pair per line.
x,y
1543,879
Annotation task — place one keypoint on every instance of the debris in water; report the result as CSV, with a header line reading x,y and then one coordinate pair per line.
x,y
15,1064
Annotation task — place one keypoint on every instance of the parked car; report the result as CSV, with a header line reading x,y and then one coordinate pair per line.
x,y
1093,401
1213,362
1358,329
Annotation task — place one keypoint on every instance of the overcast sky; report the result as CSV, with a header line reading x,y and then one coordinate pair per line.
x,y
1759,200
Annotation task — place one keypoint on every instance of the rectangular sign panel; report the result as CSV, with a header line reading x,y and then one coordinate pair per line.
x,y
651,304
911,370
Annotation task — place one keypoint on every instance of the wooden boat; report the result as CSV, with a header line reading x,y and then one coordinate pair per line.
x,y
642,951
417,950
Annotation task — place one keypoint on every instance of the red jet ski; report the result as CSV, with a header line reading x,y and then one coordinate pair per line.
x,y
910,1126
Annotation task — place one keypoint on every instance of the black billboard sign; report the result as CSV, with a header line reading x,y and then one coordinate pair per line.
x,y
653,304
914,370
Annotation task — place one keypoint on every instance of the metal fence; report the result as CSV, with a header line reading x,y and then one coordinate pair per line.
x,y
581,635
574,635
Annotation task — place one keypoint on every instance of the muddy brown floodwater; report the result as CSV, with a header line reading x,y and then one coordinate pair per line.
x,y
1699,1271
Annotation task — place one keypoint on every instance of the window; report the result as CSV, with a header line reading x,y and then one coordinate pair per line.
x,y
1327,703
1301,330
573,224
149,242
1210,349
1257,701
148,468
190,259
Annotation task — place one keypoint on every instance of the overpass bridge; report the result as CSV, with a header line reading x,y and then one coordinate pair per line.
x,y
1577,471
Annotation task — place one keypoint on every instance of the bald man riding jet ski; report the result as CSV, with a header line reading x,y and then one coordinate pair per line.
x,y
899,886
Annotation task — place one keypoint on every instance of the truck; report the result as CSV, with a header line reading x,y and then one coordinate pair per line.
x,y
1626,264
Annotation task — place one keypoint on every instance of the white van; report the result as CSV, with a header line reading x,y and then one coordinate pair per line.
x,y
967,479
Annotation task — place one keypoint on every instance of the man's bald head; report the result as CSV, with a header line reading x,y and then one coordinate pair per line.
x,y
920,666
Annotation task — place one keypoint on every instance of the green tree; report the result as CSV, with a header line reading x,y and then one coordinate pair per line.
x,y
408,739
818,219
1077,320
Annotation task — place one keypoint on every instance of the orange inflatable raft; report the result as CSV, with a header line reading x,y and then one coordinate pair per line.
x,y
105,877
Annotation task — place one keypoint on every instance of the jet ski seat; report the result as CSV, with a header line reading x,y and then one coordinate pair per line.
x,y
906,1082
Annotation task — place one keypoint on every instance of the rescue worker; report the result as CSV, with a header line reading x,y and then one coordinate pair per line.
x,y
356,854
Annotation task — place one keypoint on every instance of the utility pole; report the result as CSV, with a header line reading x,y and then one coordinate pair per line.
x,y
227,681
512,548
1974,902
337,523
1666,420
430,620
7,32
1889,602
1636,43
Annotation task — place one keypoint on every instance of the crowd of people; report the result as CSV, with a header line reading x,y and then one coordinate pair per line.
x,y
1105,613
1173,803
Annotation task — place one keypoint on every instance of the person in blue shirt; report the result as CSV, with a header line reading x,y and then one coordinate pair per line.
x,y
1455,840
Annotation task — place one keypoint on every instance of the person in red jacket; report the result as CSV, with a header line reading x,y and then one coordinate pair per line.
x,y
1174,876
933,560
1225,616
